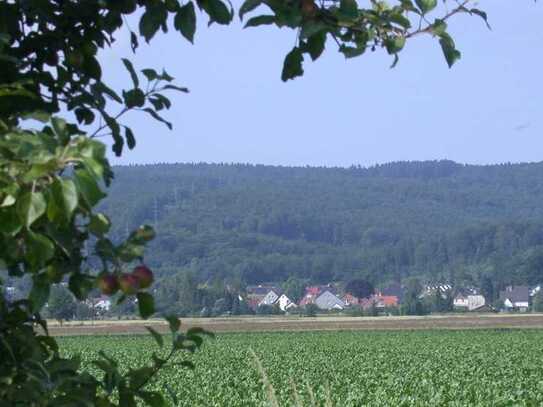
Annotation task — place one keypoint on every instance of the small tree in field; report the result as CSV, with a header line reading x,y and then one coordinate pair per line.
x,y
52,175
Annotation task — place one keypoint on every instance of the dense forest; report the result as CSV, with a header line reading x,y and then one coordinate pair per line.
x,y
437,220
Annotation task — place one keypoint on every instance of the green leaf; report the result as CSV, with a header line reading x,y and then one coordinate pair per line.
x,y
146,305
99,224
260,20
80,285
349,8
178,88
426,5
156,116
316,44
129,136
185,21
449,51
292,66
150,74
481,14
30,207
157,337
39,293
133,41
174,323
247,6
39,249
351,52
88,187
152,19
65,193
130,68
84,115
218,11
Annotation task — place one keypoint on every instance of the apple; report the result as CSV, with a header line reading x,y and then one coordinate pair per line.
x,y
129,284
107,283
144,276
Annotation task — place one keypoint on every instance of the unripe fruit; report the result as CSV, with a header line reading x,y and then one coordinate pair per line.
x,y
107,283
129,284
144,276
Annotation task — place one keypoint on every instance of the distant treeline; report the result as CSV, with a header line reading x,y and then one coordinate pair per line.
x,y
437,220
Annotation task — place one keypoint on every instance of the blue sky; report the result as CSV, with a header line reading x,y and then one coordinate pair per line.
x,y
487,109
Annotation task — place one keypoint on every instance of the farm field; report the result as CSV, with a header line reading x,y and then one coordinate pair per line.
x,y
386,368
296,323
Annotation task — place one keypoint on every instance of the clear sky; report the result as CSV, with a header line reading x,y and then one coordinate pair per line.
x,y
486,109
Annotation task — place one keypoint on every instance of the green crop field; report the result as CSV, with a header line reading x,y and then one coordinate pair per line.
x,y
395,368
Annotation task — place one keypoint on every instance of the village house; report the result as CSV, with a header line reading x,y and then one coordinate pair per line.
x,y
329,301
381,302
271,296
255,294
391,290
285,303
516,298
460,300
350,300
476,302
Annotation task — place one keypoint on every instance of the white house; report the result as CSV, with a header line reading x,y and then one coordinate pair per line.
x,y
271,297
516,298
285,303
475,302
460,301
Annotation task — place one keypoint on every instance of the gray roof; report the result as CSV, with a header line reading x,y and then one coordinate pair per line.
x,y
519,293
328,300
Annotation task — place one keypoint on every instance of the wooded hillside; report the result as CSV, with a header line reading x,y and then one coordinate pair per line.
x,y
437,220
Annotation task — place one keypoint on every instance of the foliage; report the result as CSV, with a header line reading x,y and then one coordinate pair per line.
x,y
393,368
61,305
359,288
355,30
310,310
51,178
439,221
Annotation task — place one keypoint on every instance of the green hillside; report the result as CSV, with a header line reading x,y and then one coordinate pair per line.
x,y
438,220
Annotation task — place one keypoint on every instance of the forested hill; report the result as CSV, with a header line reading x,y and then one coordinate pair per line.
x,y
436,219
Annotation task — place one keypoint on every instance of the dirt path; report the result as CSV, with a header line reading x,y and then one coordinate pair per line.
x,y
267,324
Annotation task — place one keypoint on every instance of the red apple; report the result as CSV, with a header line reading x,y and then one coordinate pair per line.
x,y
144,275
107,283
129,284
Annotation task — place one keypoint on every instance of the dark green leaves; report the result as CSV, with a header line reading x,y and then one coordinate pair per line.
x,y
292,66
349,8
451,53
426,5
260,20
157,337
185,21
39,293
146,304
217,11
481,14
154,17
315,45
130,68
247,6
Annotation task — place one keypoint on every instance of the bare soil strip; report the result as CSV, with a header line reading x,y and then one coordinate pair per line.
x,y
324,323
